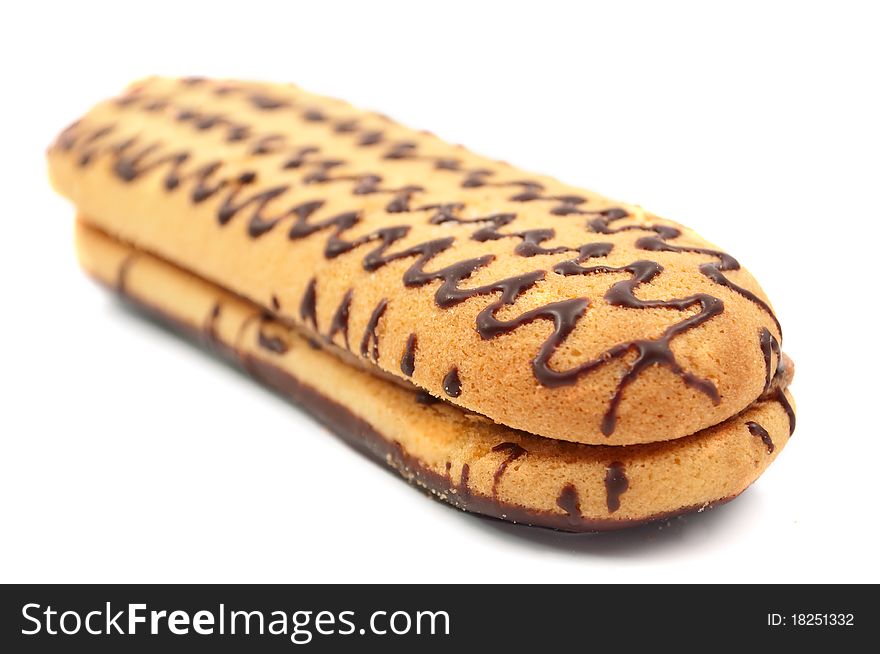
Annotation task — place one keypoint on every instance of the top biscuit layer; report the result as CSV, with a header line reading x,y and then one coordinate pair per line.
x,y
544,307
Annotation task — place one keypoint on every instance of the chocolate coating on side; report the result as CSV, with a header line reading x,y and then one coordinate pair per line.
x,y
362,436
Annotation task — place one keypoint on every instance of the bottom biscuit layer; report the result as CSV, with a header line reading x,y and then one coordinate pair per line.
x,y
460,457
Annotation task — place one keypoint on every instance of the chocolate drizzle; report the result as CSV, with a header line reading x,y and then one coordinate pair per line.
x,y
514,452
131,163
265,102
271,342
339,323
231,205
210,327
267,144
452,383
274,340
308,310
370,138
564,314
769,347
408,360
569,502
132,158
530,240
757,430
616,484
122,272
201,121
714,271
780,397
129,168
370,341
648,352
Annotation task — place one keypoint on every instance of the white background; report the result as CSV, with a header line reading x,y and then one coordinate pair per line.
x,y
129,456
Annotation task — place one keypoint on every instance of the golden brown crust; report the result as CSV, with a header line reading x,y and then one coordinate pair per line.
x,y
463,458
308,207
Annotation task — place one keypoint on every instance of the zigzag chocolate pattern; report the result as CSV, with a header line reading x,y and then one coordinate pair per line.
x,y
131,159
